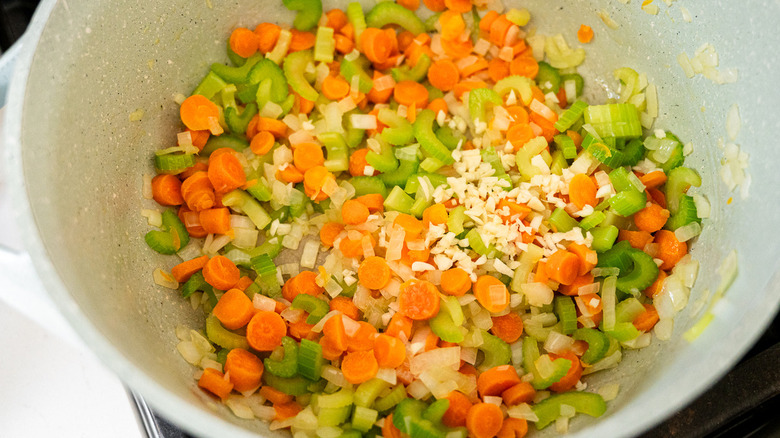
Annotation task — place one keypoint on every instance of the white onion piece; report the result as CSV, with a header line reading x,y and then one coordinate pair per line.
x,y
663,329
262,302
687,232
164,279
558,343
363,121
438,358
522,411
538,294
388,375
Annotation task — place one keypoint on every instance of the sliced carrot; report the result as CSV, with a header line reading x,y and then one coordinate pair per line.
x,y
438,105
290,174
215,220
262,143
214,382
443,74
522,392
575,137
375,44
363,338
491,293
377,96
400,326
345,306
646,320
301,40
637,239
314,180
303,283
221,273
510,211
244,368
571,378
274,396
513,428
388,428
412,5
484,420
359,366
344,44
348,31
588,257
418,299
410,224
267,35
452,25
563,267
494,381
265,330
487,21
197,112
459,6
184,270
234,309
243,283
475,67
308,155
336,336
225,172
329,232
436,214
519,134
457,48
655,288
653,179
286,410
508,327
466,86
374,273
582,191
336,19
375,202
199,166
410,92
390,352
651,218
455,282
335,88
656,196
524,66
456,413
354,212
498,69
166,190
191,221
354,248
670,250
243,42
435,5
585,34
572,289
275,127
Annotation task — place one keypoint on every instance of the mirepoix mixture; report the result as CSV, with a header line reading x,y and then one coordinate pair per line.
x,y
399,226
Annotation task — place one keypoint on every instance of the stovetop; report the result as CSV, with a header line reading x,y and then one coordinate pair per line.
x,y
744,403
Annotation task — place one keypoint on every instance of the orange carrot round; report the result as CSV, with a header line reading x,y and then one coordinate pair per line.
x,y
336,19
513,428
329,232
308,155
655,288
646,320
637,239
524,66
196,112
353,248
435,5
582,191
358,163
344,44
438,105
436,214
184,270
243,42
166,190
335,88
651,218
234,309
374,273
508,327
353,212
443,74
522,392
262,143
275,127
456,413
519,134
484,420
670,250
286,410
491,293
363,339
376,44
410,224
199,138
303,283
301,40
585,34
225,172
345,306
459,6
265,331
498,69
359,366
374,202
572,289
274,396
388,428
411,93
563,267
244,368
496,380
221,273
418,299
215,220
267,35
390,352
572,376
588,257
400,326
455,282
214,382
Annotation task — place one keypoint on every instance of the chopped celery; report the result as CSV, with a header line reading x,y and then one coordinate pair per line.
x,y
172,236
423,131
603,152
358,21
598,344
241,201
558,163
367,392
451,138
215,142
604,237
633,152
354,137
337,157
385,13
579,84
316,307
173,164
496,351
521,85
548,78
561,221
456,218
413,182
566,145
195,283
309,12
421,202
567,314
295,386
549,409
637,269
357,67
628,309
623,332
398,200
477,244
385,161
236,75
686,213
366,185
431,164
490,156
324,45
619,120
628,202
446,324
619,179
592,220
478,103
679,180
435,411
210,85
239,122
531,355
333,416
398,131
310,359
363,418
223,337
416,73
294,67
287,365
395,396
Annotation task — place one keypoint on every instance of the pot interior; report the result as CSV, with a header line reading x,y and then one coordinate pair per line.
x,y
82,160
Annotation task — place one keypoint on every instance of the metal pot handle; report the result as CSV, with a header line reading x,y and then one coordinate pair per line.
x,y
20,286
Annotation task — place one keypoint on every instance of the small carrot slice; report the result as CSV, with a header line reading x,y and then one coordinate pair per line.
x,y
243,42
670,250
651,218
262,143
588,257
303,283
376,44
411,93
265,330
374,273
388,428
582,191
491,293
573,289
308,155
354,212
646,320
455,282
359,366
184,270
225,172
286,410
435,5
375,202
494,381
410,224
484,420
498,69
524,66
522,392
221,273
335,88
345,306
301,40
196,111
508,327
400,326
585,34
563,266
456,413
244,368
274,396
571,378
363,338
166,190
459,6
443,74
513,428
275,127
390,352
214,382
329,232
234,309
653,179
267,35
336,19
418,299
215,220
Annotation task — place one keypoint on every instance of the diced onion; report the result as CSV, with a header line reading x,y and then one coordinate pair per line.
x,y
437,358
384,82
522,411
733,122
687,232
363,121
538,294
165,279
309,255
262,302
388,375
558,343
493,400
663,329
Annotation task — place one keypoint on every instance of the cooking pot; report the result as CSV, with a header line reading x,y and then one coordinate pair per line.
x,y
75,161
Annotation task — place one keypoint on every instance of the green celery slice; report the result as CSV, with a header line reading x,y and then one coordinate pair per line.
x,y
294,67
385,13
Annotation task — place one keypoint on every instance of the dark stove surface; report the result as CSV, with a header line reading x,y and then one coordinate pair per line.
x,y
745,403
